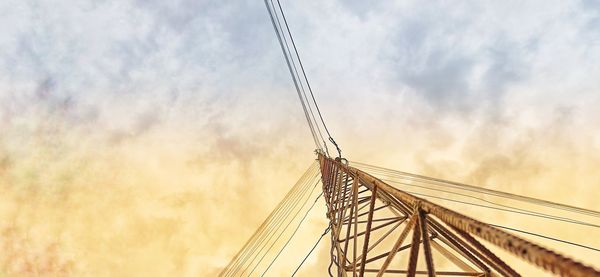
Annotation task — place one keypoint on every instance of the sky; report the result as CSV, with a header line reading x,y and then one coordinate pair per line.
x,y
153,137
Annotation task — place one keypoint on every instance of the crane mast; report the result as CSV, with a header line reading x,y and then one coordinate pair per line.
x,y
366,213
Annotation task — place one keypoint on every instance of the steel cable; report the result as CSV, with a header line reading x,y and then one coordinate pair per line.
x,y
545,237
280,222
286,226
506,208
530,213
291,66
293,234
306,78
312,249
248,251
266,225
434,181
298,187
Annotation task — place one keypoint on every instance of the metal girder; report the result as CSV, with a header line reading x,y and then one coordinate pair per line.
x,y
453,236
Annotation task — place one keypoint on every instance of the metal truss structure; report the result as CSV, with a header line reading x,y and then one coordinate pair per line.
x,y
377,229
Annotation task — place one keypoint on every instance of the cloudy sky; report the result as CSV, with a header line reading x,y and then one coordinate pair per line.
x,y
153,137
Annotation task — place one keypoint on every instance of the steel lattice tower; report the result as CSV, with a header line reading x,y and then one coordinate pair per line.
x,y
365,213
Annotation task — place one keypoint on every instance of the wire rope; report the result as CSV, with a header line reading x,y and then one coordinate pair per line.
x,y
293,234
440,182
506,207
285,228
289,61
306,79
271,222
277,227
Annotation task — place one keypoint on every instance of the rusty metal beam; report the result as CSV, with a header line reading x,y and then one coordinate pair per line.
x,y
368,232
453,258
352,208
426,245
355,189
375,228
414,250
397,245
381,256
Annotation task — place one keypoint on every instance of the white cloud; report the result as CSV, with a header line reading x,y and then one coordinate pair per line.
x,y
441,87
